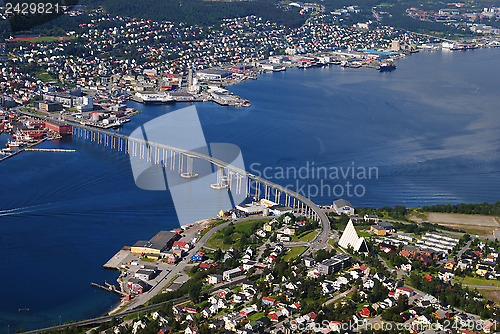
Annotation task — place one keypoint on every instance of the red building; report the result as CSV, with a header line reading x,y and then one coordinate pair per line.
x,y
191,308
62,129
367,312
137,286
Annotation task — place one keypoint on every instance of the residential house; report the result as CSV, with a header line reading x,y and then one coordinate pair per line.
x,y
224,293
371,218
239,297
228,275
269,301
247,311
206,266
406,267
139,325
378,230
191,330
197,257
161,317
403,290
166,330
261,233
367,312
214,279
190,308
181,245
443,314
450,265
275,316
210,311
446,274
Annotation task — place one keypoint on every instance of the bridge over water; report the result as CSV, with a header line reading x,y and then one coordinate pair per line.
x,y
228,176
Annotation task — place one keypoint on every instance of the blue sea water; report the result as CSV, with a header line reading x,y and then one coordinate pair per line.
x,y
430,129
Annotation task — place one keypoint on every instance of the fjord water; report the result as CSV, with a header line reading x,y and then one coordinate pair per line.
x,y
431,128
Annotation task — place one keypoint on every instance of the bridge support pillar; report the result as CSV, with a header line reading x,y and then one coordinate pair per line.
x,y
189,166
221,180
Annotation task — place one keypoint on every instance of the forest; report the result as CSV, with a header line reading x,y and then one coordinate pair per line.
x,y
485,208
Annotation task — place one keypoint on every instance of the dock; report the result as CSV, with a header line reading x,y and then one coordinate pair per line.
x,y
22,150
118,258
49,149
109,287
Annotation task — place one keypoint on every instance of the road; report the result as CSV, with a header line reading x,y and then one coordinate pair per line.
x,y
130,312
179,268
482,287
339,296
459,255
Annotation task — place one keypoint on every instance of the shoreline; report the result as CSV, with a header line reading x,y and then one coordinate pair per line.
x,y
199,225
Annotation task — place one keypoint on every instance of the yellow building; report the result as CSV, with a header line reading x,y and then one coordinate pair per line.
x,y
378,230
161,242
450,265
481,272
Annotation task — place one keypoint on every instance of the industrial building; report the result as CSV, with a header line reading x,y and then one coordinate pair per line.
x,y
279,209
335,264
213,74
251,209
48,106
58,127
342,206
160,243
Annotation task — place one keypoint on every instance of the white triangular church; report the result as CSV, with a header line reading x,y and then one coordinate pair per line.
x,y
350,238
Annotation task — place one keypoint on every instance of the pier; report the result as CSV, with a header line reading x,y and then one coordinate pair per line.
x,y
27,148
109,287
49,149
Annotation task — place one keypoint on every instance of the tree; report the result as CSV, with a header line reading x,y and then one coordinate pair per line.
x,y
218,255
194,292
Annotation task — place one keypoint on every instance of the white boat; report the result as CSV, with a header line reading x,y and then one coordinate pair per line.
x,y
15,143
6,151
117,124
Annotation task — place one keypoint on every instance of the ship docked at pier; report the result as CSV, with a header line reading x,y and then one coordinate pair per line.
x,y
152,97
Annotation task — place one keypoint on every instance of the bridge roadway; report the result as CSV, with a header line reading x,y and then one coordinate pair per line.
x,y
320,239
318,242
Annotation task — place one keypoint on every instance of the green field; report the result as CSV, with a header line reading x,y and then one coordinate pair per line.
x,y
306,237
294,252
245,226
218,239
364,234
257,316
43,39
45,77
477,281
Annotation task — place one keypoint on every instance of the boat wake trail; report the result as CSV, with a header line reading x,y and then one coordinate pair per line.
x,y
25,209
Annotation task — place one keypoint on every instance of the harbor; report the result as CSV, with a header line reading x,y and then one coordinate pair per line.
x,y
28,132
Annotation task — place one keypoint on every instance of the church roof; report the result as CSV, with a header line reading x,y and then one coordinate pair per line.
x,y
350,238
